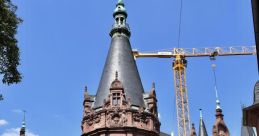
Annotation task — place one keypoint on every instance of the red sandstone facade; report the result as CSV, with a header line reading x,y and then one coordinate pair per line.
x,y
117,116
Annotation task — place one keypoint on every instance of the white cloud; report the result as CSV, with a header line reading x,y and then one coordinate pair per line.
x,y
3,122
16,131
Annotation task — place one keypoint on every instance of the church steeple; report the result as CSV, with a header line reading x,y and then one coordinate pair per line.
x,y
120,25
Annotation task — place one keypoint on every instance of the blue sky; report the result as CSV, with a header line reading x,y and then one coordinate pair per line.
x,y
64,45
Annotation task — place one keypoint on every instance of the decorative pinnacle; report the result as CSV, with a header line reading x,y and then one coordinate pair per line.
x,y
120,2
201,114
116,75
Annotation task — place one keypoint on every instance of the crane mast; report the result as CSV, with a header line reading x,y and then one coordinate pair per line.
x,y
183,117
179,69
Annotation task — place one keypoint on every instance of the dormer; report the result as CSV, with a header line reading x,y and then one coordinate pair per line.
x,y
117,95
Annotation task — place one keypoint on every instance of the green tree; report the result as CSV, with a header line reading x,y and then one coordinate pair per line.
x,y
9,51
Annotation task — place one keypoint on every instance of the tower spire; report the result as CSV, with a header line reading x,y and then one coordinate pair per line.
x,y
202,127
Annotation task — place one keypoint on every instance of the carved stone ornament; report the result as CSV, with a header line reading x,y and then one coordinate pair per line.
x,y
89,120
141,116
117,118
97,118
93,119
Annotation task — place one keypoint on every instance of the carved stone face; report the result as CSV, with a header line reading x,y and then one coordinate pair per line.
x,y
256,93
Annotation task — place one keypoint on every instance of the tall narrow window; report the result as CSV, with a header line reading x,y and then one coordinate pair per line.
x,y
122,20
116,99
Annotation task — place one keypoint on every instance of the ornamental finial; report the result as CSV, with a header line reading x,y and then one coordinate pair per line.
x,y
116,75
120,1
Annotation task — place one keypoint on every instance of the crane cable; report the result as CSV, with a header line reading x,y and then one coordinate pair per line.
x,y
180,23
215,79
213,65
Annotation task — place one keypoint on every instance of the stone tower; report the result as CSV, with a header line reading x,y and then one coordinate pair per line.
x,y
120,106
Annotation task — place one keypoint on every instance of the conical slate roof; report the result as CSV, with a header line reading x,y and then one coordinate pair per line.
x,y
120,58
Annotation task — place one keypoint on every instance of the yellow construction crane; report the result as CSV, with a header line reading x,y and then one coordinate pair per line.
x,y
179,68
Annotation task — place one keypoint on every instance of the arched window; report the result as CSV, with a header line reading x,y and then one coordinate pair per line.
x,y
122,20
117,20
